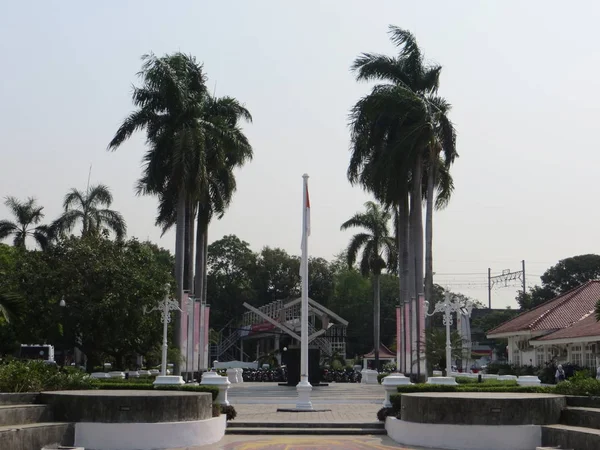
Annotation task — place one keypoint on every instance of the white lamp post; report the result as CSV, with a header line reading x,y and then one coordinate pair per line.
x,y
165,307
448,306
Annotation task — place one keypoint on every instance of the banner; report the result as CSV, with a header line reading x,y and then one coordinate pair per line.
x,y
183,330
398,339
407,338
196,350
205,353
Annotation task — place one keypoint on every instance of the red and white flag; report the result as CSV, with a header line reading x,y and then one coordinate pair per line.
x,y
305,227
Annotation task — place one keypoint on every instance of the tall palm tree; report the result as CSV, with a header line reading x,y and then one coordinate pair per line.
x,y
378,253
393,128
28,215
10,305
169,104
91,208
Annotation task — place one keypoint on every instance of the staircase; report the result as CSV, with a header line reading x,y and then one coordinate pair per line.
x,y
305,428
322,343
26,425
579,428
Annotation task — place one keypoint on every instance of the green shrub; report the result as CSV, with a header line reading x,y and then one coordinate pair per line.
x,y
579,385
37,376
381,376
384,412
485,382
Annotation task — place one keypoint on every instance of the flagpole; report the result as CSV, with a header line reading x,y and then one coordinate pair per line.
x,y
304,387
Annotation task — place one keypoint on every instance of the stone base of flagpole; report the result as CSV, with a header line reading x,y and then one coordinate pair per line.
x,y
304,389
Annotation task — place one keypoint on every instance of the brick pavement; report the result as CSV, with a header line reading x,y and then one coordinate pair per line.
x,y
354,413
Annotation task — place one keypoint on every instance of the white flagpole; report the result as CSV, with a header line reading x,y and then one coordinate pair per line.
x,y
304,387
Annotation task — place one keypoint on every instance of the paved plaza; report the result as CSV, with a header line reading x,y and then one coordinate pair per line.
x,y
347,402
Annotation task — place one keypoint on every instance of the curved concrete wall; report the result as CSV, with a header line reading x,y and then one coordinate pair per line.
x,y
149,436
122,406
482,408
464,437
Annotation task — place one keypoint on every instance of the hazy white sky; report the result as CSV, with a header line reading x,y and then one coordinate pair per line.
x,y
522,76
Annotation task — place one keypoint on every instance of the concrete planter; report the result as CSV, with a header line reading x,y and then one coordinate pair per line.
x,y
117,374
390,384
528,381
168,380
214,379
506,378
442,380
369,376
232,375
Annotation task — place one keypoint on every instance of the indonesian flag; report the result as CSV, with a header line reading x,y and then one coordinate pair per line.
x,y
305,227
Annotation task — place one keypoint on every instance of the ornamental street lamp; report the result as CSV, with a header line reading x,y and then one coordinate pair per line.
x,y
165,307
448,306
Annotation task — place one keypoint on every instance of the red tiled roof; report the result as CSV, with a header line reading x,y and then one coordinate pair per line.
x,y
384,352
588,326
555,314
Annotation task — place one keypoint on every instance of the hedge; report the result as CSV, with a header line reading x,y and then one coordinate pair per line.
x,y
149,386
486,382
381,376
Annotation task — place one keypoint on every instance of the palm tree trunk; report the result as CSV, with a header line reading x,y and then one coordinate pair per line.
x,y
403,253
376,318
429,235
411,286
179,263
199,277
417,239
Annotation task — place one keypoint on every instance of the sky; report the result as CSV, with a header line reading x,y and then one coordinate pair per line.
x,y
522,78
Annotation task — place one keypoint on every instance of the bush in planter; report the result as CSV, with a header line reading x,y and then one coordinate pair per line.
x,y
579,384
384,412
486,382
229,411
381,376
143,386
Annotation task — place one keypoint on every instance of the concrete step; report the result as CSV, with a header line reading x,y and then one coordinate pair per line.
x,y
570,437
24,414
581,417
305,431
234,424
9,398
585,402
36,436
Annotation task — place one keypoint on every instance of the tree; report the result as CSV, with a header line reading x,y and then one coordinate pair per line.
x,y
106,285
231,266
169,108
378,253
567,274
28,215
91,208
393,130
435,347
277,276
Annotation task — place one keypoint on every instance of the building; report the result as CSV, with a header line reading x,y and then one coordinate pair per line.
x,y
270,329
562,330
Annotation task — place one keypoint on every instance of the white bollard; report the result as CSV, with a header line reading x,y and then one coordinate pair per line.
x,y
390,384
232,375
363,376
450,381
240,371
214,379
528,381
371,376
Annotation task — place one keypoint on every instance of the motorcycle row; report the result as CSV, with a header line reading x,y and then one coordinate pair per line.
x,y
280,375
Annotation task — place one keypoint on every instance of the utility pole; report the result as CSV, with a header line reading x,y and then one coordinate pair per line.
x,y
490,288
524,285
504,278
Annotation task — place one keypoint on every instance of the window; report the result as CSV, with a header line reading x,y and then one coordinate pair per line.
x,y
576,355
540,356
590,357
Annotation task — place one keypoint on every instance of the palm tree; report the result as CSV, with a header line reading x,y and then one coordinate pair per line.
x,y
87,207
378,253
168,105
10,305
393,128
438,176
28,215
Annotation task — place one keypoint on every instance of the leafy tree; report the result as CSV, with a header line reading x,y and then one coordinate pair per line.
x,y
378,252
105,284
567,274
87,207
28,215
320,280
277,277
232,265
435,347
